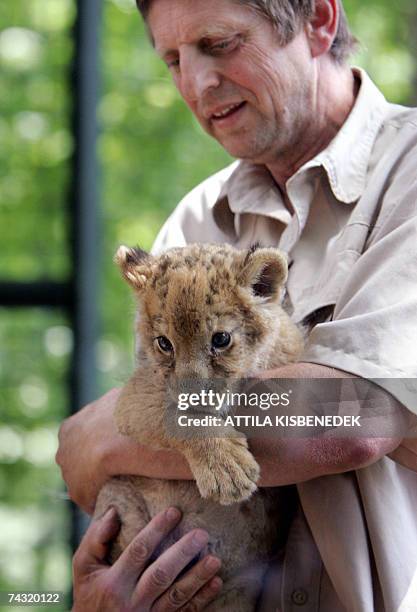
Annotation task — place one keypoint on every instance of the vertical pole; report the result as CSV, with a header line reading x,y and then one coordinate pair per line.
x,y
84,218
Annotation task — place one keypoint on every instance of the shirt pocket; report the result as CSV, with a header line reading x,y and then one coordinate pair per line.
x,y
340,255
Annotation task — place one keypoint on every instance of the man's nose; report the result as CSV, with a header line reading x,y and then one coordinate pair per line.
x,y
198,75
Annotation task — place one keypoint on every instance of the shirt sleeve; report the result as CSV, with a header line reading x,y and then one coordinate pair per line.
x,y
373,333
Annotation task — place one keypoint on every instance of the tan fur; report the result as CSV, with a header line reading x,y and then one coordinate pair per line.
x,y
187,295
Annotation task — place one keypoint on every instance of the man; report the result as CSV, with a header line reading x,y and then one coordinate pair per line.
x,y
326,173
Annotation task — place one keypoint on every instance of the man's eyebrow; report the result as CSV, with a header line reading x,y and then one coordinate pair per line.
x,y
218,30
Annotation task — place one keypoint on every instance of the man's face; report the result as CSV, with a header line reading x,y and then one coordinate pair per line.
x,y
251,94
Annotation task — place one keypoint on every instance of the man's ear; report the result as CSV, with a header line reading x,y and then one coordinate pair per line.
x,y
322,27
264,272
134,264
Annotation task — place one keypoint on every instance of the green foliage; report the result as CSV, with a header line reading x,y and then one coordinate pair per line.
x,y
151,153
34,351
386,48
35,48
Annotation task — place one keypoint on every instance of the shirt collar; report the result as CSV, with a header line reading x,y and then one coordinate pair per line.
x,y
251,188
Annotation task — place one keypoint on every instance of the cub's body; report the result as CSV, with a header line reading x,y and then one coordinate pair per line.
x,y
205,312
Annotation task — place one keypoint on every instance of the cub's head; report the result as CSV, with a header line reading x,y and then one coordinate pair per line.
x,y
206,311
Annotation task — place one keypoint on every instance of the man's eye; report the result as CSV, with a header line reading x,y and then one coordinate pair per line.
x,y
173,64
225,45
164,345
222,45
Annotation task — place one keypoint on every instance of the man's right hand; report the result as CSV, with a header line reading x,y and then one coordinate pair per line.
x,y
134,585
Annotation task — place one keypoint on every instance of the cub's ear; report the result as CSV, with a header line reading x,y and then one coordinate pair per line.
x,y
265,271
134,264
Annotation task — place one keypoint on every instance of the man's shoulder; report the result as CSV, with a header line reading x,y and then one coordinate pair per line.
x,y
399,140
401,118
394,158
392,183
399,129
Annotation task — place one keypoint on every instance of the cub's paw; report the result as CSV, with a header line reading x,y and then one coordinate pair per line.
x,y
231,475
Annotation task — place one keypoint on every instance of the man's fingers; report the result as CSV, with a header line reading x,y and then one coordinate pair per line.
x,y
94,545
163,572
135,557
182,591
206,595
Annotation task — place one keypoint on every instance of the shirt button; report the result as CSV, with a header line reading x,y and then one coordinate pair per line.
x,y
299,597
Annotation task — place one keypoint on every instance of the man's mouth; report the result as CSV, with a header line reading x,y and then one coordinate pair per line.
x,y
227,112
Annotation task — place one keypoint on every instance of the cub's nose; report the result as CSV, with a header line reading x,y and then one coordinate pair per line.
x,y
191,372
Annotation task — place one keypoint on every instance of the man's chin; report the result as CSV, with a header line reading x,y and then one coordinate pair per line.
x,y
234,144
241,150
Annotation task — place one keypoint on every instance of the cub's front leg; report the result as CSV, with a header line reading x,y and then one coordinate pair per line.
x,y
224,468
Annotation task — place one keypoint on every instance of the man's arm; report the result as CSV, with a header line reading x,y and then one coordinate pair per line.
x,y
298,459
91,450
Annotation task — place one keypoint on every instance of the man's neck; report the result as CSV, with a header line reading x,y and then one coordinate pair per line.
x,y
335,96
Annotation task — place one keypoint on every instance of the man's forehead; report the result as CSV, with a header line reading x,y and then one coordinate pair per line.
x,y
174,22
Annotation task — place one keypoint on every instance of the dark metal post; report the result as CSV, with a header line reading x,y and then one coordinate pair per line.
x,y
84,213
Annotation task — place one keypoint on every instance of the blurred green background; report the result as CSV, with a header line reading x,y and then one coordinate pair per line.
x,y
151,153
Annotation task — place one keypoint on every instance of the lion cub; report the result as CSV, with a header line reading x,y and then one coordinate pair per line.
x,y
205,312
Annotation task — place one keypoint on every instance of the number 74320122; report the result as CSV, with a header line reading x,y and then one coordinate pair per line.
x,y
31,598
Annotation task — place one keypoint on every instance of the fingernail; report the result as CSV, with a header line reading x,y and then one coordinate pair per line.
x,y
200,538
212,563
216,584
173,514
109,514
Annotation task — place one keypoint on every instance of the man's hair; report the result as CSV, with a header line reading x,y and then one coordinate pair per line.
x,y
287,16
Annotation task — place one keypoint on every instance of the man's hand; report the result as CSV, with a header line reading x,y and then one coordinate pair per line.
x,y
91,451
134,586
83,443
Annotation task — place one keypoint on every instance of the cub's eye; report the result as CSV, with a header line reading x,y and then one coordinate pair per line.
x,y
164,344
221,340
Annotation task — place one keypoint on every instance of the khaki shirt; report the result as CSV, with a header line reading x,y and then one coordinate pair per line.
x,y
352,246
